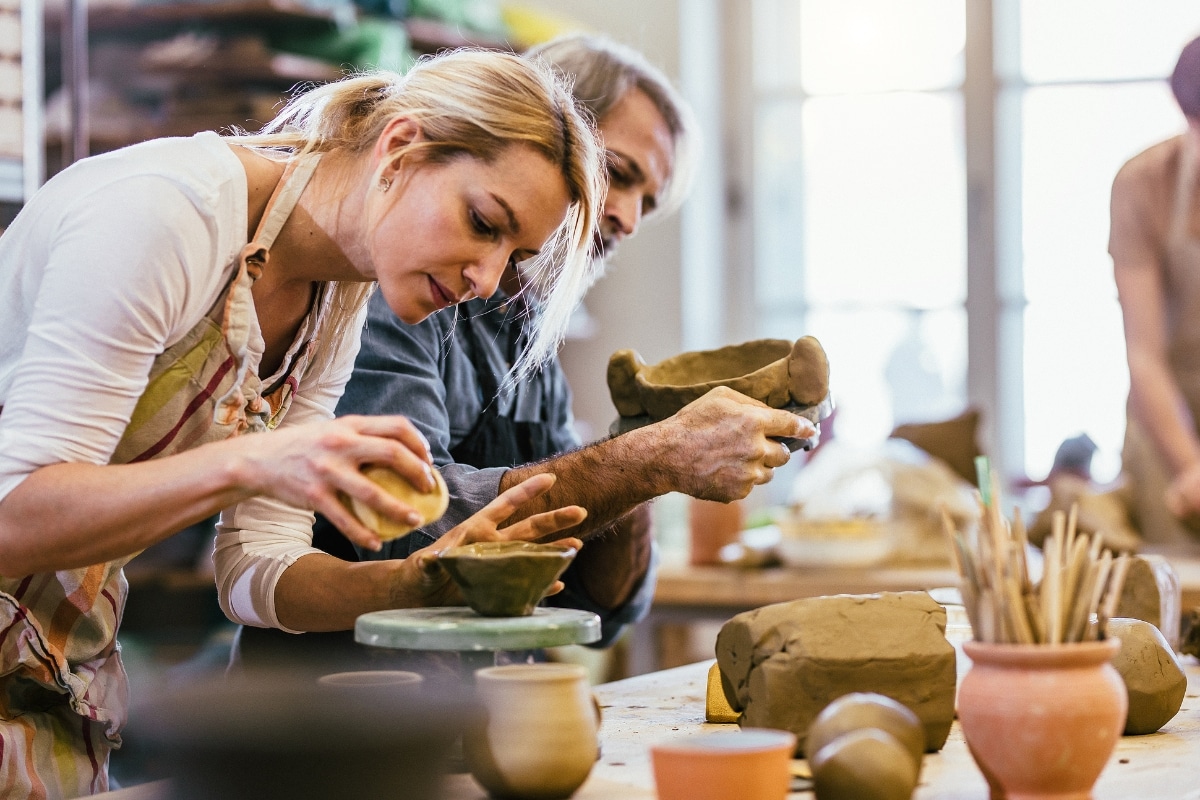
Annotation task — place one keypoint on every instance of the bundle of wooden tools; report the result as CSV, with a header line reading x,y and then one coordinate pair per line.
x,y
1075,598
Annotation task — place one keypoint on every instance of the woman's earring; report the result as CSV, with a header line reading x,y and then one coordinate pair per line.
x,y
385,184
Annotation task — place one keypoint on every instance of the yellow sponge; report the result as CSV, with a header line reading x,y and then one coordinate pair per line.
x,y
716,707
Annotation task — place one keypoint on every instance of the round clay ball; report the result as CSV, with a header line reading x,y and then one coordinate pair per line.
x,y
1154,681
866,764
430,505
859,710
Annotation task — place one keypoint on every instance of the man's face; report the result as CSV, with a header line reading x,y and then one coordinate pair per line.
x,y
640,151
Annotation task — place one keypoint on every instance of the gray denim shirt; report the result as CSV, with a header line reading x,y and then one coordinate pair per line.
x,y
425,372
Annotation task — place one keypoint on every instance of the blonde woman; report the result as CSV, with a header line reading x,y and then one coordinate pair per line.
x,y
177,321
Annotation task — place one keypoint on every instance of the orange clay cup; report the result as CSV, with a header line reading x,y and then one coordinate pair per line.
x,y
750,764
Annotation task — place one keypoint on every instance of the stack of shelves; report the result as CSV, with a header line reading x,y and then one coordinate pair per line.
x,y
174,67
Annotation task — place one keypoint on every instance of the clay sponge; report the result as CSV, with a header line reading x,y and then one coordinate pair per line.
x,y
430,505
776,372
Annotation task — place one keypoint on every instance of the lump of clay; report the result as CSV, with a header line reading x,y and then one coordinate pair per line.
x,y
1153,679
777,372
867,764
865,710
1151,592
782,664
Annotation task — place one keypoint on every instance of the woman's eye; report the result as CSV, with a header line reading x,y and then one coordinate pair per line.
x,y
481,225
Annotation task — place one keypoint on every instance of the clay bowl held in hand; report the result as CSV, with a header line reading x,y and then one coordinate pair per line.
x,y
505,579
776,372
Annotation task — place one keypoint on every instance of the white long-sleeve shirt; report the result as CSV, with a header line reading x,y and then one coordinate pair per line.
x,y
112,261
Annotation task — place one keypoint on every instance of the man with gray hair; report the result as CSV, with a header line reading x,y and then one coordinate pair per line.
x,y
487,431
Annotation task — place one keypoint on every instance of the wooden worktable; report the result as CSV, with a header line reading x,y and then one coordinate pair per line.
x,y
642,710
649,708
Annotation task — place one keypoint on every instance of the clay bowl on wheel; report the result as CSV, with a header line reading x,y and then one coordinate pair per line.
x,y
505,579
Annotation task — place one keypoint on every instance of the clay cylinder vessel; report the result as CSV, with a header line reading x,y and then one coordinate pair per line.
x,y
1042,720
539,736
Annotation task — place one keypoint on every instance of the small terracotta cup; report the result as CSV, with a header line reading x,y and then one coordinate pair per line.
x,y
750,764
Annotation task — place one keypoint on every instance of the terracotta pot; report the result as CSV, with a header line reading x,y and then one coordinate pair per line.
x,y
1040,720
539,738
711,526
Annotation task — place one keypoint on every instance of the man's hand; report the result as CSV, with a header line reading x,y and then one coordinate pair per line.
x,y
724,444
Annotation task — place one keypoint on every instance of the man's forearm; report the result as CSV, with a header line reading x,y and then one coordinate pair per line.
x,y
608,478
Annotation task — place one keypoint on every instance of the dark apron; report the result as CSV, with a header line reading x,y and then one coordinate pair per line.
x,y
496,440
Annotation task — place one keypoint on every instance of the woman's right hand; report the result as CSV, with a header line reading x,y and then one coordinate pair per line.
x,y
311,466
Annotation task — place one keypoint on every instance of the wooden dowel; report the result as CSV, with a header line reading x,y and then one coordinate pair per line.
x,y
1021,540
1074,576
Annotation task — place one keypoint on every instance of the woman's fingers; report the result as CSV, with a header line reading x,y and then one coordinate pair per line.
x,y
395,442
509,501
543,527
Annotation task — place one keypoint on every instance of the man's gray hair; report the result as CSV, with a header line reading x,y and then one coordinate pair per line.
x,y
602,71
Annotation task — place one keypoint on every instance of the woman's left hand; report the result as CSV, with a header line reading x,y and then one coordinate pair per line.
x,y
424,582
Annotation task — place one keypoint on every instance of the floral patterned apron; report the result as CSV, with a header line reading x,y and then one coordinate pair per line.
x,y
63,689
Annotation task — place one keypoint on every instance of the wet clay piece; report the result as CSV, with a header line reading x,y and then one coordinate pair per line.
x,y
866,710
782,664
430,505
1155,682
505,579
776,372
1151,593
868,764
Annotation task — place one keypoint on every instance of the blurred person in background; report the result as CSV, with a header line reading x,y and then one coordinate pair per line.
x,y
1154,241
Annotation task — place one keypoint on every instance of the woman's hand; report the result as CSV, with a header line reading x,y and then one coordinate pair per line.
x,y
311,466
422,581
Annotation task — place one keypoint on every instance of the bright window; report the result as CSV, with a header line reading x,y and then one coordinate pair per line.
x,y
860,198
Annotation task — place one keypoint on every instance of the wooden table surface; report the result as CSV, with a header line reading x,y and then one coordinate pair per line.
x,y
649,708
642,710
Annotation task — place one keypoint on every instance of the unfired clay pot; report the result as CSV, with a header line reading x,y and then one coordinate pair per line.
x,y
775,371
1042,720
539,739
505,579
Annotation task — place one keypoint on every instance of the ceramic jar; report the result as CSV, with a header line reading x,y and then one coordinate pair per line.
x,y
1042,720
539,736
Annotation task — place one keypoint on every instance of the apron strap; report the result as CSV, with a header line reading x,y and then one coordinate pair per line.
x,y
283,199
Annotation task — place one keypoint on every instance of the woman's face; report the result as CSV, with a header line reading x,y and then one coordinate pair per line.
x,y
451,229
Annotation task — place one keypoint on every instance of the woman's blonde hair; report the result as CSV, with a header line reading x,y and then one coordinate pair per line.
x,y
467,103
